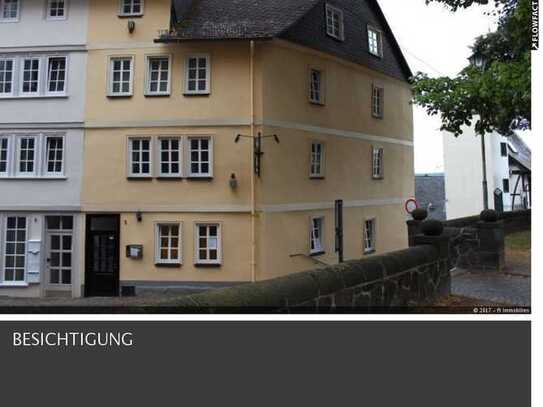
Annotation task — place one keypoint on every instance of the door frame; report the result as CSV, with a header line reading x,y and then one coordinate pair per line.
x,y
89,252
48,285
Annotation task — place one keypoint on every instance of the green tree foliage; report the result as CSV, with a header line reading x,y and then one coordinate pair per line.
x,y
496,95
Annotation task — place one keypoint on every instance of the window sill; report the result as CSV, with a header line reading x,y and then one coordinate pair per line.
x,y
197,178
23,97
188,94
170,178
378,178
316,254
139,15
168,265
14,285
157,95
315,103
375,55
369,252
33,178
208,265
112,96
317,177
136,178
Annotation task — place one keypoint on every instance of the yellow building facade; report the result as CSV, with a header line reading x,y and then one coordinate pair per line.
x,y
176,194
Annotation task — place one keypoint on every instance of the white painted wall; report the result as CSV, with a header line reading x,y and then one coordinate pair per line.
x,y
33,29
464,174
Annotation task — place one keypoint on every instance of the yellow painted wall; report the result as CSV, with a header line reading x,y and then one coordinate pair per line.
x,y
235,248
281,94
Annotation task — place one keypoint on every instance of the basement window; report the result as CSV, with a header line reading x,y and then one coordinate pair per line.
x,y
334,22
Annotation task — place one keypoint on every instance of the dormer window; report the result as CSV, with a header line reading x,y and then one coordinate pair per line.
x,y
131,8
334,22
375,42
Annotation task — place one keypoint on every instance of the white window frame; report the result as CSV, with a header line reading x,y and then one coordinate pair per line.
x,y
45,158
196,91
21,76
314,249
13,75
333,13
312,164
369,242
130,162
321,87
35,161
3,249
377,101
188,149
48,10
9,19
122,13
159,151
377,162
379,40
158,244
202,262
148,91
48,75
62,268
8,154
111,61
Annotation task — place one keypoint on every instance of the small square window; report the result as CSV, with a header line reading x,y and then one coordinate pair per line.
x,y
316,87
334,22
377,102
377,163
131,8
158,76
56,9
317,160
316,236
200,157
198,75
168,243
121,76
369,236
375,42
139,154
208,244
9,10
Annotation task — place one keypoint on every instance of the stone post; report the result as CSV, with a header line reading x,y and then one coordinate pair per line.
x,y
491,246
432,234
414,225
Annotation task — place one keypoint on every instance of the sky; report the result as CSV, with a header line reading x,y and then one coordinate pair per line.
x,y
435,41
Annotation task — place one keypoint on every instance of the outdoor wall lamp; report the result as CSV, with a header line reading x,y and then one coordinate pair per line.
x,y
139,216
131,26
233,181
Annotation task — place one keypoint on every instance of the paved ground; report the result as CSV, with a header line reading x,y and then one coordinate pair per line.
x,y
512,286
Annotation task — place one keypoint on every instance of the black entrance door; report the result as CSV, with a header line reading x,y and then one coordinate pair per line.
x,y
102,256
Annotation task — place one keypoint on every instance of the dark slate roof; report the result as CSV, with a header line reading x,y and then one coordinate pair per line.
x,y
523,155
298,21
430,194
